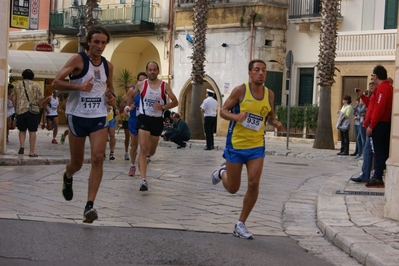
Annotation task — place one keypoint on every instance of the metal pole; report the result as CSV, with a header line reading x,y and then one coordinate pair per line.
x,y
288,113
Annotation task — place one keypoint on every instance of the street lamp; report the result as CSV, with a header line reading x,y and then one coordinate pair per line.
x,y
77,12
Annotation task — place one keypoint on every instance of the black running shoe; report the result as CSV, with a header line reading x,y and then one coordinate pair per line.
x,y
67,191
89,215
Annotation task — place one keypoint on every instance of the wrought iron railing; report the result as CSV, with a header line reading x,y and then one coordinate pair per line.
x,y
306,8
112,14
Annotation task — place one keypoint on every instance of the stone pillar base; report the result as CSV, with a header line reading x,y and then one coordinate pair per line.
x,y
391,209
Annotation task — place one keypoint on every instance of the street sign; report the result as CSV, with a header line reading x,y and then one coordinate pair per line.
x,y
43,47
25,14
289,60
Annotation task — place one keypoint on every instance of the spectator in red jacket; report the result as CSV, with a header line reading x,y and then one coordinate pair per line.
x,y
379,127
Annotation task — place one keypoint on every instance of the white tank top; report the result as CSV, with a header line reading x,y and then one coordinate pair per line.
x,y
89,104
150,96
52,106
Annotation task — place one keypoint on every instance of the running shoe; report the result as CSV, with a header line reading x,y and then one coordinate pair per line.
x,y
127,158
148,159
240,230
111,157
132,170
62,138
216,175
67,191
54,141
143,185
89,215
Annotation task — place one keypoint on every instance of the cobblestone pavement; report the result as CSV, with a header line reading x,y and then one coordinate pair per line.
x,y
297,196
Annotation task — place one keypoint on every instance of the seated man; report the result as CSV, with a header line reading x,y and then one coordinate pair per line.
x,y
180,132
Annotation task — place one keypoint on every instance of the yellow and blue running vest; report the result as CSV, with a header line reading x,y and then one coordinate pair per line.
x,y
249,133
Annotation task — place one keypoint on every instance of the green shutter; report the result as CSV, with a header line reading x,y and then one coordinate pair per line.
x,y
391,14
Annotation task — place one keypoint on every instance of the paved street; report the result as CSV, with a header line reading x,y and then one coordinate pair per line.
x,y
181,196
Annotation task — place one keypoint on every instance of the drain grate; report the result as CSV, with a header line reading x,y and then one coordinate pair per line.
x,y
298,164
360,193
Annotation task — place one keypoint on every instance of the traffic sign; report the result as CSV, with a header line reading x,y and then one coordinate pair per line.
x,y
43,47
25,14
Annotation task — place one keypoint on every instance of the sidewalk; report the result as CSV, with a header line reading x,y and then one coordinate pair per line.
x,y
352,222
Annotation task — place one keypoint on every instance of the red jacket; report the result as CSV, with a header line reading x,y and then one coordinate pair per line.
x,y
370,107
382,110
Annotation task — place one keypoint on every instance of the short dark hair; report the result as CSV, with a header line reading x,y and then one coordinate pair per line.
x,y
146,67
10,86
251,64
380,72
28,74
93,30
348,98
176,115
141,74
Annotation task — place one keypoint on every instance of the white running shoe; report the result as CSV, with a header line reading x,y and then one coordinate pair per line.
x,y
127,158
143,185
216,175
240,230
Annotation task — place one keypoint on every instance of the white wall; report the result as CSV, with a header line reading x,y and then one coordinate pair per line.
x,y
225,65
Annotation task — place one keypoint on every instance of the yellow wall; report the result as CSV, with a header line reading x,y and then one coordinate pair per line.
x,y
272,15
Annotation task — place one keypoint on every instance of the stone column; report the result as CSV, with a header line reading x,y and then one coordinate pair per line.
x,y
4,24
391,209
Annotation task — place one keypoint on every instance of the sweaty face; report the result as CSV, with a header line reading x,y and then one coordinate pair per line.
x,y
258,73
97,44
152,71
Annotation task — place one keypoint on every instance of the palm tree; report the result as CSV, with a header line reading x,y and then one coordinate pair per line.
x,y
198,72
90,4
326,67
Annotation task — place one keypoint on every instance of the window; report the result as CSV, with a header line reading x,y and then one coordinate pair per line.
x,y
391,14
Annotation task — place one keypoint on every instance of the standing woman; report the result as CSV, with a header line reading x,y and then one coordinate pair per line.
x,y
26,93
346,113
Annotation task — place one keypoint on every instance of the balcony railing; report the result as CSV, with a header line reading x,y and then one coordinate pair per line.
x,y
366,45
306,8
112,14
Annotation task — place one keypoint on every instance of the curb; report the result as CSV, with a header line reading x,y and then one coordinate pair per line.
x,y
334,221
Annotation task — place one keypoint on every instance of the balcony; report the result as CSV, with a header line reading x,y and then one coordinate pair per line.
x,y
306,14
118,18
366,46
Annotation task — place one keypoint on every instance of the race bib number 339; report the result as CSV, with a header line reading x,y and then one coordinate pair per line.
x,y
253,122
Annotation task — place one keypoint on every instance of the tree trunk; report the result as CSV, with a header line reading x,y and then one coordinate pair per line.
x,y
195,121
326,67
324,138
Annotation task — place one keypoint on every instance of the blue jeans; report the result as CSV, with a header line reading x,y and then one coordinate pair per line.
x,y
363,135
367,161
359,142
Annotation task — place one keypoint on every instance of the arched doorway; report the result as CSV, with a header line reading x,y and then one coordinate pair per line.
x,y
185,97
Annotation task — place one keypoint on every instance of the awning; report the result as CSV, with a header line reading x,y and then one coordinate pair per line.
x,y
43,64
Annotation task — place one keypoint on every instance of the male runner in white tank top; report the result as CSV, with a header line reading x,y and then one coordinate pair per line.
x,y
90,90
153,101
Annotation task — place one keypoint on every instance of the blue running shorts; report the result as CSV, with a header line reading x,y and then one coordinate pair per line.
x,y
242,156
83,127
